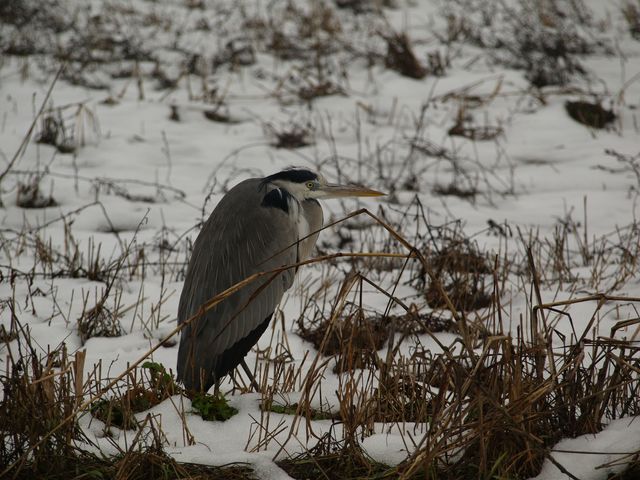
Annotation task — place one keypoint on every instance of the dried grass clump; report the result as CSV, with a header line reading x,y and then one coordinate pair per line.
x,y
146,458
285,48
570,247
460,255
509,405
53,132
68,128
99,321
543,38
218,115
291,136
401,396
464,127
157,464
458,274
41,439
50,129
365,6
401,58
631,13
416,322
30,196
38,394
103,40
238,52
313,90
146,391
589,114
311,38
306,34
465,293
354,338
331,459
455,190
28,27
453,173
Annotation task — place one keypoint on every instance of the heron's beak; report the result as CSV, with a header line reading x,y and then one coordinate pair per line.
x,y
339,191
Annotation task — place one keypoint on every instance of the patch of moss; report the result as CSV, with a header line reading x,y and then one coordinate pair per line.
x,y
211,407
285,409
293,408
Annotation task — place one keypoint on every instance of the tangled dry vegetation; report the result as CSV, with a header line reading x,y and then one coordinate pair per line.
x,y
490,405
503,400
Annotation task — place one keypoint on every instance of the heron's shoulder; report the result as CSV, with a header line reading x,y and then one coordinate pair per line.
x,y
261,192
252,204
243,195
277,198
250,186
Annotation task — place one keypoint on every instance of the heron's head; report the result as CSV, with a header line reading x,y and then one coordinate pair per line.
x,y
305,184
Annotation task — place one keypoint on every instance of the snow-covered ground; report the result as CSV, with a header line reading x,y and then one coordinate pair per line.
x,y
147,166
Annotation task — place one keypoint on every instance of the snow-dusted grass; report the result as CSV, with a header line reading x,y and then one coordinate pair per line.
x,y
496,318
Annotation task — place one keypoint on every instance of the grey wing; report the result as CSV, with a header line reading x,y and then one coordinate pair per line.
x,y
240,238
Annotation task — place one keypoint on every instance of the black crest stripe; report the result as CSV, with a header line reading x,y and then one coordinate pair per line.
x,y
295,176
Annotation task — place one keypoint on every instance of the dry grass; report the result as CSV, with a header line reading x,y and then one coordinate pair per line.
x,y
291,136
590,114
546,39
39,393
400,57
503,401
330,459
495,406
631,13
153,387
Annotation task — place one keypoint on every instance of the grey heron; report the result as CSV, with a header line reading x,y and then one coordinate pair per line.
x,y
259,225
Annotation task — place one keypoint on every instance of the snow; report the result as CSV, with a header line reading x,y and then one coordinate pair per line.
x,y
594,456
544,169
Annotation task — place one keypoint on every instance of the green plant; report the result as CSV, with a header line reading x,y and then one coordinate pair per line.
x,y
212,407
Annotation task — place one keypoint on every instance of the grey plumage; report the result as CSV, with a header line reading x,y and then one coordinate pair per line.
x,y
257,226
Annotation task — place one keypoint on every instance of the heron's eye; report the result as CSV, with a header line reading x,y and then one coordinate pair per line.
x,y
311,185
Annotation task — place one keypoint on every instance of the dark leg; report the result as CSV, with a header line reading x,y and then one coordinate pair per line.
x,y
246,369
